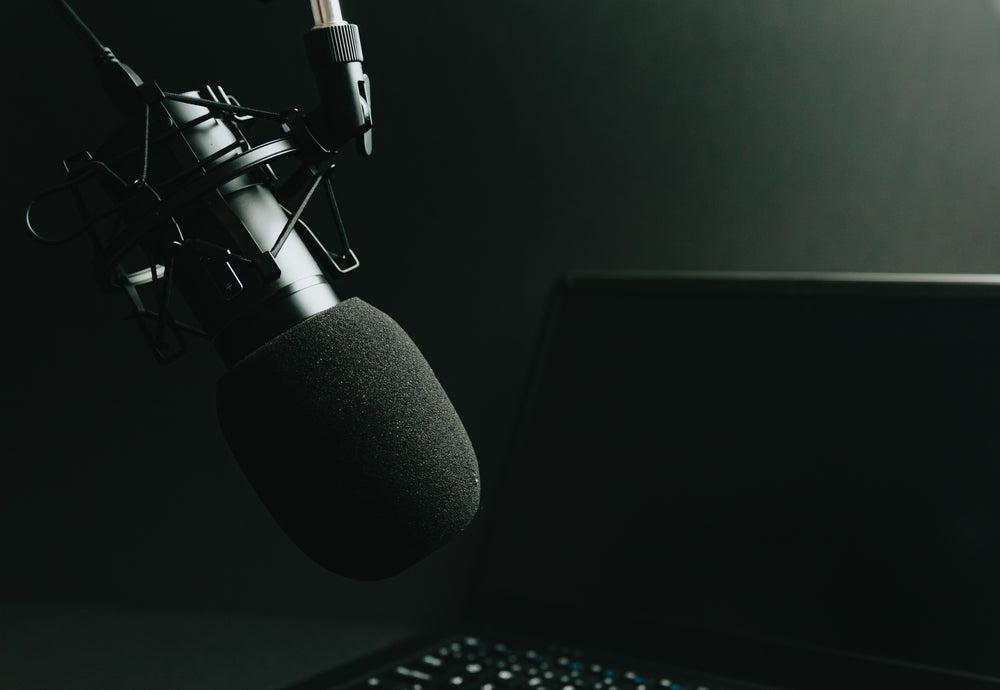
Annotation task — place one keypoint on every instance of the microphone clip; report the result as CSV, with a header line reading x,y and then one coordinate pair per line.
x,y
344,113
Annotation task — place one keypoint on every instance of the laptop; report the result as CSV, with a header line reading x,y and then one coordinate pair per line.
x,y
730,481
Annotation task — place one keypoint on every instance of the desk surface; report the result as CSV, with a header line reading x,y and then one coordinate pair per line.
x,y
45,646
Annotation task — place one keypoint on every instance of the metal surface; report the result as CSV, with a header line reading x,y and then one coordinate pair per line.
x,y
326,13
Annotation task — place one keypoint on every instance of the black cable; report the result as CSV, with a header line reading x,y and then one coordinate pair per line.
x,y
82,29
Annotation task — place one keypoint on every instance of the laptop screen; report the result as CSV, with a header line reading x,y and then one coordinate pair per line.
x,y
815,460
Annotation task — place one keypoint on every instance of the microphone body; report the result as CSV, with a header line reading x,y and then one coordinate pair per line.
x,y
208,203
239,304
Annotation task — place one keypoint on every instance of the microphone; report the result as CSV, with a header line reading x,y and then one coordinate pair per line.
x,y
333,413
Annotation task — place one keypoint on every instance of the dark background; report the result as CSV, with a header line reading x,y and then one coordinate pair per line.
x,y
513,142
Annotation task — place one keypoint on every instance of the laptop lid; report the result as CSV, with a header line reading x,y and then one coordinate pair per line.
x,y
791,477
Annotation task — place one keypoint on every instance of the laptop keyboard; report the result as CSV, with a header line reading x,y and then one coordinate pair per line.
x,y
471,663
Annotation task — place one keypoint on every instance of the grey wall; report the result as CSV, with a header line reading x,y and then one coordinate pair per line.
x,y
514,142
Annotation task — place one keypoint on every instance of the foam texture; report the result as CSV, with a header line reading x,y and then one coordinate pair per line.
x,y
350,441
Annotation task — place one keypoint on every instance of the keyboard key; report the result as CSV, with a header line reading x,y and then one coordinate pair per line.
x,y
412,673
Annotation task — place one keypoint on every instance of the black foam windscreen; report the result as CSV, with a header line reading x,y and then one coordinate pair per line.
x,y
351,442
